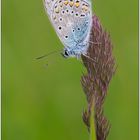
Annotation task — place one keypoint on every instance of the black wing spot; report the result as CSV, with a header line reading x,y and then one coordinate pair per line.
x,y
60,28
76,14
82,15
66,36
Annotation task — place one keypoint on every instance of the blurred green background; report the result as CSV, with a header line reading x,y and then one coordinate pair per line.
x,y
42,102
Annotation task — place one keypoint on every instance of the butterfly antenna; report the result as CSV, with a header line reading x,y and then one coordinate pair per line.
x,y
91,59
48,54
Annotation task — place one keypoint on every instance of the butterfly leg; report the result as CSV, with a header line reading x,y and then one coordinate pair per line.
x,y
91,59
95,43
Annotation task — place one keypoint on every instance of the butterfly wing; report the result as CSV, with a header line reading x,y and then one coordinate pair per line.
x,y
70,18
82,21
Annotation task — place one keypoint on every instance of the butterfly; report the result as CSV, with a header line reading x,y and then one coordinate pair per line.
x,y
72,21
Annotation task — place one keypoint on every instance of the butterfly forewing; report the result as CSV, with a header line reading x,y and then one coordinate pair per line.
x,y
70,18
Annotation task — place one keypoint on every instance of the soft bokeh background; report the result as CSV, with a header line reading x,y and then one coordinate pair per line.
x,y
42,102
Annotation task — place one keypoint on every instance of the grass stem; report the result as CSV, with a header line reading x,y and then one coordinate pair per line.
x,y
92,125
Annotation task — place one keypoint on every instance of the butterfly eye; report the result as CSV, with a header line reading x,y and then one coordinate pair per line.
x,y
66,53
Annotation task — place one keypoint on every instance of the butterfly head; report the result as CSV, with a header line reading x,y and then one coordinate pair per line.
x,y
66,53
75,51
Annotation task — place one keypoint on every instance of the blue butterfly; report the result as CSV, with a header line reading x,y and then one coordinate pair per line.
x,y
72,21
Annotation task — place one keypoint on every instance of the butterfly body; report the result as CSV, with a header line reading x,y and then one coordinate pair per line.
x,y
72,22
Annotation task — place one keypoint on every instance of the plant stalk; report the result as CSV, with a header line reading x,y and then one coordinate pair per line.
x,y
92,124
